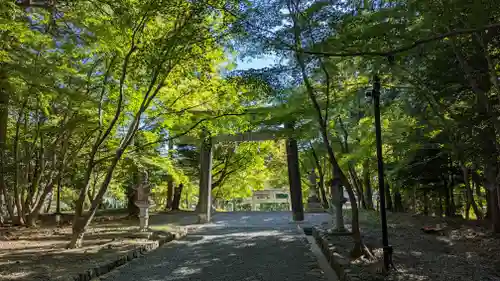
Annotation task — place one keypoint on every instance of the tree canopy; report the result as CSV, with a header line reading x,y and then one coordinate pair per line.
x,y
94,92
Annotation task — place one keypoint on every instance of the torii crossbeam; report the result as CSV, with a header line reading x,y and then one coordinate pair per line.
x,y
204,207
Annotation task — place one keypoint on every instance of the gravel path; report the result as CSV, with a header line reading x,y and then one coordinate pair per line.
x,y
237,246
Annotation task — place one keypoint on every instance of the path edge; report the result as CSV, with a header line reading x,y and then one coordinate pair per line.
x,y
125,258
329,252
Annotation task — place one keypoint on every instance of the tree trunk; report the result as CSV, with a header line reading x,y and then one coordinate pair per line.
x,y
9,204
398,202
388,197
467,207
49,204
488,205
490,174
489,141
447,199
322,192
426,203
414,199
78,232
4,118
17,168
363,204
495,211
477,184
357,185
478,212
99,140
453,205
460,203
492,144
359,247
170,193
498,198
132,209
35,212
34,188
321,187
479,196
81,222
440,204
177,197
366,182
470,195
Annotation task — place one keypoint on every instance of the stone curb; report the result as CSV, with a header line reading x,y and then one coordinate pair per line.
x,y
328,251
129,256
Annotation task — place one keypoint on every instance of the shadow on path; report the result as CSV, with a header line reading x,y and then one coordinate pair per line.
x,y
226,252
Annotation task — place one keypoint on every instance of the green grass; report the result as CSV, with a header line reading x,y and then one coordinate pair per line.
x,y
163,227
366,218
111,212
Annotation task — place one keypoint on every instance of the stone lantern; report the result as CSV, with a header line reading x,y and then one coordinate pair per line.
x,y
143,202
313,202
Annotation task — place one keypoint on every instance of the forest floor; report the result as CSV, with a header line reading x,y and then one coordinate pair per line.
x,y
465,250
40,253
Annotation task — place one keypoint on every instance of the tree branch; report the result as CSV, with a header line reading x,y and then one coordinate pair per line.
x,y
387,53
173,137
392,52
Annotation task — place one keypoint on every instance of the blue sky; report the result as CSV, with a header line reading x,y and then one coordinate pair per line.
x,y
256,63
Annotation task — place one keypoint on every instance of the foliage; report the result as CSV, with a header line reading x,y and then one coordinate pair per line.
x,y
439,80
93,94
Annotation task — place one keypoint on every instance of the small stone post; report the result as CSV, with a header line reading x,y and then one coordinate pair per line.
x,y
143,202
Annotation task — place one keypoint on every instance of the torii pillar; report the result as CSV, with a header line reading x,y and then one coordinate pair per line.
x,y
205,196
294,176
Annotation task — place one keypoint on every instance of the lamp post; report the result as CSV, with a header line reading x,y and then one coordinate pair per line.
x,y
58,203
375,94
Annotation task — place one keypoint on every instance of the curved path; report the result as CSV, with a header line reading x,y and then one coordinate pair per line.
x,y
240,246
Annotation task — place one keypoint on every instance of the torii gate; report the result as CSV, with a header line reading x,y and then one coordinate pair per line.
x,y
207,142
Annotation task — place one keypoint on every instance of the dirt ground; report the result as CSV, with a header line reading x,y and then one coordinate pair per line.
x,y
37,254
464,251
